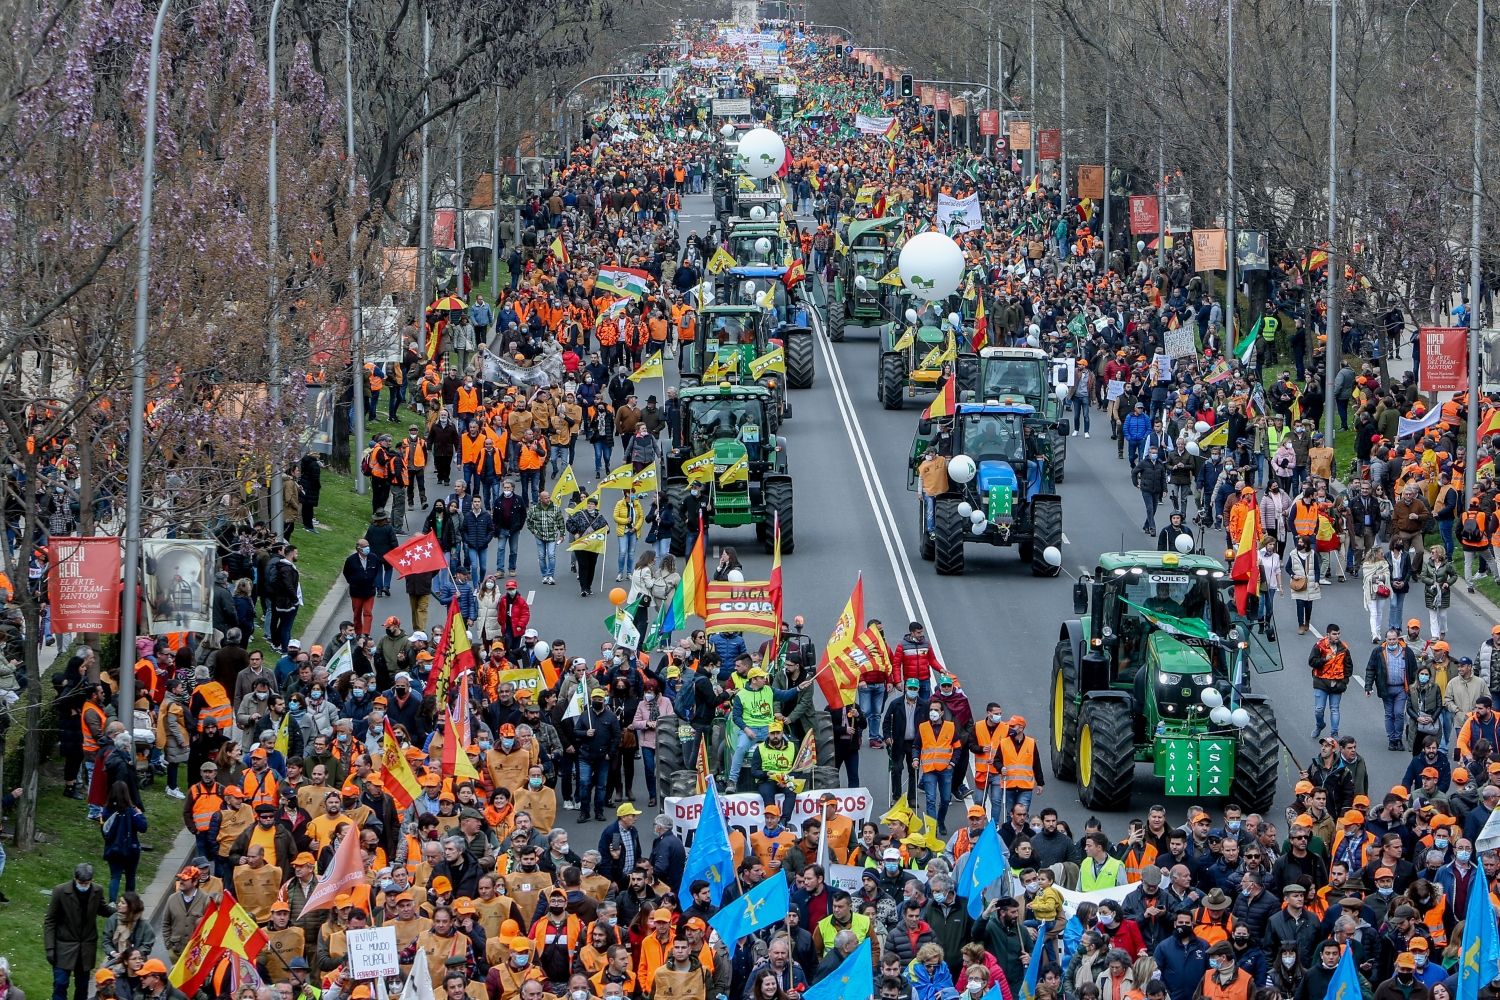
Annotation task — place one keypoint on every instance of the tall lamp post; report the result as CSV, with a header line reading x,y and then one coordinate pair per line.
x,y
1476,207
1229,238
357,355
130,600
1334,321
274,279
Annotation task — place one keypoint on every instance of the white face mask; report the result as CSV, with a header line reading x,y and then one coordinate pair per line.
x,y
934,716
1288,961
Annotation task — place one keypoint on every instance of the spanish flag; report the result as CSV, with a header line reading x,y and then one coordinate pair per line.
x,y
400,782
944,403
224,928
560,252
1035,185
981,327
454,655
836,674
894,130
455,761
1245,570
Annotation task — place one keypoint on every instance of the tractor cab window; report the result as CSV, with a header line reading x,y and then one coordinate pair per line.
x,y
869,263
718,419
994,436
1166,593
1012,377
734,329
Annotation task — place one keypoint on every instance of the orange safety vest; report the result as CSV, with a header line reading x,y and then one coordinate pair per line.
x,y
468,400
937,747
414,453
1137,860
1437,936
530,460
90,743
1304,518
1016,770
218,708
258,791
1239,988
207,800
984,761
1209,930
1475,517
574,931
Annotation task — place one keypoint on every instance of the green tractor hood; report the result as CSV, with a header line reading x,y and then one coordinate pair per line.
x,y
1171,655
727,451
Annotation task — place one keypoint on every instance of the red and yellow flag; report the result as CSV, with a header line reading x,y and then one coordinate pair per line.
x,y
836,674
1245,571
396,770
453,656
224,928
456,763
794,275
981,327
945,403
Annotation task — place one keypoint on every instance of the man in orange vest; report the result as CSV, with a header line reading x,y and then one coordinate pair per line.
x,y
937,738
1020,771
204,800
1225,980
413,452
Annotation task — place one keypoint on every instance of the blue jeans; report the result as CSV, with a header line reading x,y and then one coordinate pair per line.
x,y
1150,500
1398,602
531,485
743,744
627,555
604,453
1330,700
122,870
1134,450
1081,413
80,978
1395,715
937,792
1445,531
383,575
478,561
593,775
507,540
648,758
872,704
546,557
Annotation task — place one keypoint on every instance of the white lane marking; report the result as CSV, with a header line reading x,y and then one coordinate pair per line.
x,y
1065,539
530,597
885,521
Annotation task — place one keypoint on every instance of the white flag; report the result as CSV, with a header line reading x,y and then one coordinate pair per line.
x,y
1489,837
342,662
578,702
419,983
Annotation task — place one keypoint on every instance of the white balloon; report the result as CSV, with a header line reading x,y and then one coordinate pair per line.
x,y
727,131
1140,246
1211,698
1202,427
1240,718
1220,716
965,509
1052,556
757,212
1193,449
735,576
954,320
978,528
1184,544
931,265
761,152
961,468
977,516
541,650
762,246
861,282
911,315
1032,341
1060,391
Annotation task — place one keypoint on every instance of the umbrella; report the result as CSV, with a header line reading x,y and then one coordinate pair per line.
x,y
448,303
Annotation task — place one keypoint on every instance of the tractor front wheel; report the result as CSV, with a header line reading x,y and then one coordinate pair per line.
x,y
836,320
1106,754
799,359
948,538
924,537
1064,713
892,380
1255,760
779,501
1046,530
676,494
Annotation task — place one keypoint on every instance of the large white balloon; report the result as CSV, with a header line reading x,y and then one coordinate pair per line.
x,y
1202,427
1240,718
1193,449
757,212
1212,698
541,650
861,282
911,315
932,266
1184,544
761,152
1052,556
965,508
978,527
1220,716
961,468
762,246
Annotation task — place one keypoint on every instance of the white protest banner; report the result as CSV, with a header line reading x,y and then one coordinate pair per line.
x,y
1489,837
1407,428
959,215
382,333
1180,343
748,811
1114,390
373,953
866,125
1114,893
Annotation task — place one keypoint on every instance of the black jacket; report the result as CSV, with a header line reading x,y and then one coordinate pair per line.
x,y
1150,476
360,576
442,439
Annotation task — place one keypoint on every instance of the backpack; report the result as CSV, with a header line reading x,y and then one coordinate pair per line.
x,y
1470,532
685,701
364,462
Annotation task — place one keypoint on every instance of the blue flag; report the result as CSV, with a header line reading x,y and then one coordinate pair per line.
x,y
1345,982
1033,968
854,978
756,910
986,863
710,859
1479,958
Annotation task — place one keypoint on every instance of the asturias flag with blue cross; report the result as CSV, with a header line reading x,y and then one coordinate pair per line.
x,y
1345,982
1479,958
710,859
986,863
1033,968
853,979
756,910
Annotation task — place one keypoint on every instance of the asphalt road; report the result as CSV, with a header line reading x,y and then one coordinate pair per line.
x,y
996,626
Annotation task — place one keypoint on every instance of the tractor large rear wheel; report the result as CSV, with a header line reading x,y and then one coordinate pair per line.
x,y
1046,529
799,359
779,501
836,320
1106,754
1063,714
1059,457
892,380
676,494
924,537
948,543
1255,760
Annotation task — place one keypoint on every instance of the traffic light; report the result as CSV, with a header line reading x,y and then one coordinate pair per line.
x,y
907,90
838,51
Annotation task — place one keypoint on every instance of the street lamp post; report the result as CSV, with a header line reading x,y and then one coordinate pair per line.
x,y
1334,323
1229,239
357,354
273,252
1476,207
136,447
424,226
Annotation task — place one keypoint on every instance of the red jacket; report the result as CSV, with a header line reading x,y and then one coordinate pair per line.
x,y
913,660
514,614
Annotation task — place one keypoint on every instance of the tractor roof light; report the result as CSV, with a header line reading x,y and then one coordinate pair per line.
x,y
1200,572
1136,571
1218,574
1119,571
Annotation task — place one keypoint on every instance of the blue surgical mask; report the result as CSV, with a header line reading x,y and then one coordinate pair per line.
x,y
1440,842
507,743
485,744
940,898
1463,855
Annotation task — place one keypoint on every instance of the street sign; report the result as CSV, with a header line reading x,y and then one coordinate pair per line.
x,y
372,953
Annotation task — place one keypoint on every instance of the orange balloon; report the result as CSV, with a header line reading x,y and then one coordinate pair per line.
x,y
617,596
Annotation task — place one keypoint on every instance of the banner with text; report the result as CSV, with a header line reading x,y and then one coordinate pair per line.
x,y
959,215
1049,143
1444,358
741,607
1020,135
1208,250
865,125
84,584
1144,211
748,810
1091,181
989,122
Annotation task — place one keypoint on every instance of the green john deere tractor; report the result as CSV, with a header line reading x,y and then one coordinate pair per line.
x,y
912,355
1001,492
1024,375
857,294
1159,672
731,339
732,422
